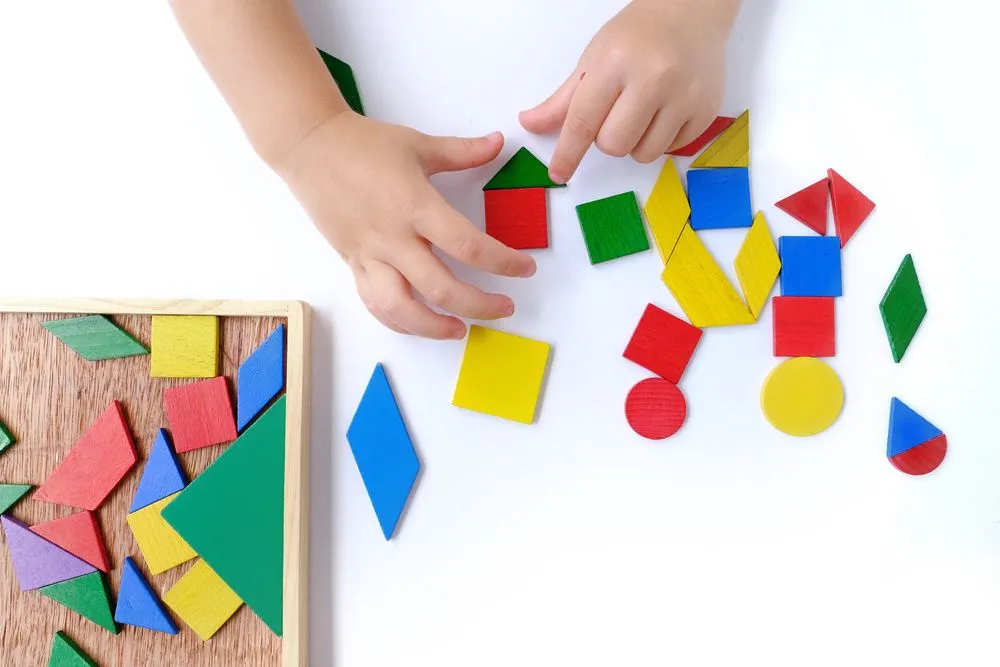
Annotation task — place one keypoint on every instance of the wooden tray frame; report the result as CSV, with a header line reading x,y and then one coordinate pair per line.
x,y
295,601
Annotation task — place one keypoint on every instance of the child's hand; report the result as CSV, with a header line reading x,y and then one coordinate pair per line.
x,y
365,185
652,79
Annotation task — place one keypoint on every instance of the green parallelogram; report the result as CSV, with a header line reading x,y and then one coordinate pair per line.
x,y
95,337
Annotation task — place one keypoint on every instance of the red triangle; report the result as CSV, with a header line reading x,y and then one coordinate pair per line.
x,y
78,534
808,206
850,207
923,458
717,127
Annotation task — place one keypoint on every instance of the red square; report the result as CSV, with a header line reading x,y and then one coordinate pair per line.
x,y
517,218
663,343
200,414
804,326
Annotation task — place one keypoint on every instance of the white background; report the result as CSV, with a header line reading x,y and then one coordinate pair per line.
x,y
573,541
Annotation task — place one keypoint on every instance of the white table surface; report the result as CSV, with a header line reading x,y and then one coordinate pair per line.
x,y
573,541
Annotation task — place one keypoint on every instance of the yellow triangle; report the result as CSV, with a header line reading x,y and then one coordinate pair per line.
x,y
667,210
731,148
757,265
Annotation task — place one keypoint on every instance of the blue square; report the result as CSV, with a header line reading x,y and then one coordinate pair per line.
x,y
720,198
810,266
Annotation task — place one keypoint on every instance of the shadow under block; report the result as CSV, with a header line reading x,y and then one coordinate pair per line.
x,y
667,210
11,494
95,337
7,438
161,477
714,129
802,396
804,326
810,266
200,414
260,378
88,596
850,207
757,265
232,515
612,227
185,346
161,546
809,205
903,308
720,198
138,605
343,76
501,374
518,218
731,149
65,653
202,600
383,451
78,534
522,170
655,408
663,343
38,562
95,465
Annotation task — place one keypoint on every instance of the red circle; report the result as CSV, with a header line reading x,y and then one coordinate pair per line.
x,y
655,408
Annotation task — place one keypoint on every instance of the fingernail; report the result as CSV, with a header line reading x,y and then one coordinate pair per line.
x,y
508,309
556,178
529,270
458,332
491,136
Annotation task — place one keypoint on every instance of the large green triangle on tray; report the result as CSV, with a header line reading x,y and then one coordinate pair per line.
x,y
10,494
523,170
87,596
343,75
65,653
232,515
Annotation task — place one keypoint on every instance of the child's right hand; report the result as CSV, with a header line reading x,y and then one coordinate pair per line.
x,y
366,186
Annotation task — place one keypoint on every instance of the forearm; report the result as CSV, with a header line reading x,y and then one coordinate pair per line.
x,y
266,67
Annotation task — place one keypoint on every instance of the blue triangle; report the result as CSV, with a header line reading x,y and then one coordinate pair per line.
x,y
907,429
383,451
162,475
260,378
138,605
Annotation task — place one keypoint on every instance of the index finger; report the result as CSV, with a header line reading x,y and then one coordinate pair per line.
x,y
590,105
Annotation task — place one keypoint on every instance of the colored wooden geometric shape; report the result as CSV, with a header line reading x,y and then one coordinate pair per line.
x,y
159,543
7,438
383,451
343,76
501,374
922,459
522,170
138,605
700,287
88,596
802,396
907,429
200,414
95,337
715,129
655,408
233,515
161,477
662,343
518,218
95,465
731,149
810,266
66,653
185,346
202,600
667,210
720,198
808,206
612,227
260,378
78,534
11,494
804,326
38,562
757,265
903,308
850,207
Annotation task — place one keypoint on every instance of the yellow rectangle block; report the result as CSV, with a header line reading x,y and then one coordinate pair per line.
x,y
757,265
731,148
667,209
202,600
184,346
160,544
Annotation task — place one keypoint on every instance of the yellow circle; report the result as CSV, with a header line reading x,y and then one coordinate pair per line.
x,y
802,396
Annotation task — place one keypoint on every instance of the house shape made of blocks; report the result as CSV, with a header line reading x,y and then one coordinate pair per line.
x,y
516,211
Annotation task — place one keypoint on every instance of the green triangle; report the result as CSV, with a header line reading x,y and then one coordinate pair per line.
x,y
523,170
65,653
232,515
10,494
343,75
6,439
87,596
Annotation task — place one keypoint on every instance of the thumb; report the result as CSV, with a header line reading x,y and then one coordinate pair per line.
x,y
549,115
458,153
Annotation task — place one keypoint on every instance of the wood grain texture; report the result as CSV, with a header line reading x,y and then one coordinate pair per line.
x,y
804,326
203,600
518,218
731,149
655,409
662,343
667,210
757,265
185,346
612,227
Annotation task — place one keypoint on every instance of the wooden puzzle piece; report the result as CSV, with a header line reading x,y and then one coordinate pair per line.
x,y
518,217
7,439
922,459
343,76
162,475
200,414
903,308
11,494
850,207
501,374
66,653
38,562
260,378
95,337
655,409
138,605
185,346
810,266
233,515
612,227
202,600
662,343
720,198
87,596
95,465
667,210
700,286
731,149
757,265
804,326
159,543
808,206
715,129
522,170
383,451
802,396
907,429
79,535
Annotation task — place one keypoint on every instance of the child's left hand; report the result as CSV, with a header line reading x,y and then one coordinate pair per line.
x,y
652,79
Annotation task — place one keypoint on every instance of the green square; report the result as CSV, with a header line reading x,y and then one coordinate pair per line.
x,y
6,437
612,227
903,308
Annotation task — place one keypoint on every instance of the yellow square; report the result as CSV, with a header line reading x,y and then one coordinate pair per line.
x,y
160,544
202,600
185,346
501,374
